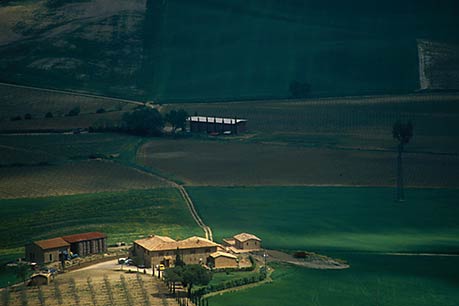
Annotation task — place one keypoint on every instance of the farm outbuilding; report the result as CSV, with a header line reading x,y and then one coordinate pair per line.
x,y
46,251
222,260
204,124
50,250
156,250
40,279
87,243
243,242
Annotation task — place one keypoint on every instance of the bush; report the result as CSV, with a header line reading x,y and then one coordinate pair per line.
x,y
49,115
27,116
16,118
100,111
74,111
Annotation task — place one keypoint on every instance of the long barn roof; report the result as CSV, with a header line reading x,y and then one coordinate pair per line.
x,y
215,119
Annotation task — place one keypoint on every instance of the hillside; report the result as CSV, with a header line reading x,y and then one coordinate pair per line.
x,y
216,50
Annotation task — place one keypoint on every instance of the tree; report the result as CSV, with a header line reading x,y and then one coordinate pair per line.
x,y
177,119
173,275
178,259
74,111
195,275
100,111
22,271
143,121
402,132
49,115
27,116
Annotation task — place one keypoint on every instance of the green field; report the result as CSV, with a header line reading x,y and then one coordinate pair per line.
x,y
123,216
359,225
179,50
372,280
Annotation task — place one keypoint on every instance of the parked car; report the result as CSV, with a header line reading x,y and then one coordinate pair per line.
x,y
121,260
129,262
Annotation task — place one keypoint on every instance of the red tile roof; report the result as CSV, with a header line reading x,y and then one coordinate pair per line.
x,y
52,243
84,237
242,237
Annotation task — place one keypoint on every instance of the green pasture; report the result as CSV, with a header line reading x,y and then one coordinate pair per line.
x,y
372,280
359,225
334,219
180,50
123,216
54,148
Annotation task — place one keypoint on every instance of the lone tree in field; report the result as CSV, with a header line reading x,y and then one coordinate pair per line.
x,y
144,122
177,119
402,132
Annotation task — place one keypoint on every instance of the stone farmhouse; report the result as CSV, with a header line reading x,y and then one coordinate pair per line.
x,y
156,250
51,250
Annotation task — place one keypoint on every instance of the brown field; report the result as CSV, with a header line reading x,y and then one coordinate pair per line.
x,y
218,163
72,178
18,101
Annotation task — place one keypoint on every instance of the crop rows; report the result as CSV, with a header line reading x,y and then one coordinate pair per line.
x,y
126,290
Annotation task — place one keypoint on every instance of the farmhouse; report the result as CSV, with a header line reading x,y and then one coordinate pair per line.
x,y
243,242
222,260
50,250
46,251
87,243
156,250
200,124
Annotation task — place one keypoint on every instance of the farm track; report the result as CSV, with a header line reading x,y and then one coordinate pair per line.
x,y
189,202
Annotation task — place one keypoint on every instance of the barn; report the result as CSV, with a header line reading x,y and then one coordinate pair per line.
x,y
46,251
87,243
204,124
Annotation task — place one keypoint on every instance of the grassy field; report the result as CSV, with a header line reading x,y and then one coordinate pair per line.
x,y
372,280
123,216
234,50
359,225
73,178
334,218
246,163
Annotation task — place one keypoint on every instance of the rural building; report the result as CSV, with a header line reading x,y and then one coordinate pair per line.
x,y
204,124
156,250
46,251
244,242
40,279
87,243
222,260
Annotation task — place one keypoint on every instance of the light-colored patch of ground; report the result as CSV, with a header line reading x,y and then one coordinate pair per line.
x,y
312,261
72,178
9,17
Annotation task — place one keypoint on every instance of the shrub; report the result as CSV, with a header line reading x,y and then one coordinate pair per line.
x,y
27,116
100,111
16,118
74,111
49,115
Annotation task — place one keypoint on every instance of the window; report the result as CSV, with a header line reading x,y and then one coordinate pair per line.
x,y
161,254
207,250
193,251
50,257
